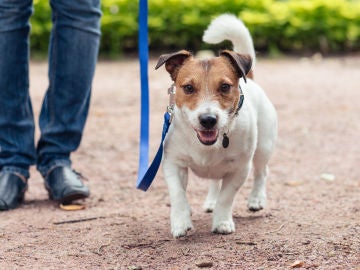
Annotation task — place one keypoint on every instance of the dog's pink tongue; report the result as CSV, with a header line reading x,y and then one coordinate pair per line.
x,y
208,137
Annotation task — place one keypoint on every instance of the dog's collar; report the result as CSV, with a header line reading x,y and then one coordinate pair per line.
x,y
241,101
226,140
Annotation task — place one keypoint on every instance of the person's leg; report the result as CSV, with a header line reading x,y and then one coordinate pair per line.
x,y
73,52
17,151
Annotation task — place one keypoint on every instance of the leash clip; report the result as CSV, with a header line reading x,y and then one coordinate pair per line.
x,y
171,106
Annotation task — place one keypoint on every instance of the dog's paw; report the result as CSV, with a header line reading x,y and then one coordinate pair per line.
x,y
256,203
180,229
180,219
224,227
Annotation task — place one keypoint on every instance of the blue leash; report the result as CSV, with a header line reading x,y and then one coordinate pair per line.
x,y
146,175
144,181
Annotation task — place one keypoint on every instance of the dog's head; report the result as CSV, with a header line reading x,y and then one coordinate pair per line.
x,y
207,90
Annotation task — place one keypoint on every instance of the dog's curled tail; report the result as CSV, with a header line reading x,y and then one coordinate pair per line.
x,y
229,27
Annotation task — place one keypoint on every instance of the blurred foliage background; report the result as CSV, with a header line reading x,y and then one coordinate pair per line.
x,y
286,26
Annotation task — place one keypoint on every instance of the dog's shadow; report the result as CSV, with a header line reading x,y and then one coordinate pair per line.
x,y
202,228
251,217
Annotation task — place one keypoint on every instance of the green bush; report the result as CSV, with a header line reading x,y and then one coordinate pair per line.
x,y
288,25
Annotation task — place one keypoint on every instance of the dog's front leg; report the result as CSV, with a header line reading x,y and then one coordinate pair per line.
x,y
177,178
222,220
210,202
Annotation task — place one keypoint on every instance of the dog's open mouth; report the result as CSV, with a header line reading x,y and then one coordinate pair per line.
x,y
207,137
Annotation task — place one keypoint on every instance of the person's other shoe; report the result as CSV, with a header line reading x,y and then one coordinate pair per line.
x,y
65,185
12,190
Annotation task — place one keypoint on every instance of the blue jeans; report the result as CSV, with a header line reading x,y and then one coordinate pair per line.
x,y
73,51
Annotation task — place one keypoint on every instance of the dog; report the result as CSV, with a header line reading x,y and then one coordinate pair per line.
x,y
223,126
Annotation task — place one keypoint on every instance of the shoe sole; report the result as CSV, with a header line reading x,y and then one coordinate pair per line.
x,y
67,199
72,197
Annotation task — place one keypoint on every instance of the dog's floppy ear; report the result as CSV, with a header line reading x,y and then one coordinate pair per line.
x,y
173,61
242,62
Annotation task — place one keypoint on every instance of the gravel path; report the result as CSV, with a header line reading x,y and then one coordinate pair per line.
x,y
312,220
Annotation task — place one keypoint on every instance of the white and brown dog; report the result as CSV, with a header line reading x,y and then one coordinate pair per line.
x,y
223,124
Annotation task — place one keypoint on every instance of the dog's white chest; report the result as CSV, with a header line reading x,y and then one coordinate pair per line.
x,y
212,165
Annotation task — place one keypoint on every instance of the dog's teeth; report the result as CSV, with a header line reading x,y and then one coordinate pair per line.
x,y
207,137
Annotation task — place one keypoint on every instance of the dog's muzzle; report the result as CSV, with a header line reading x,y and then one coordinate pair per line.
x,y
208,134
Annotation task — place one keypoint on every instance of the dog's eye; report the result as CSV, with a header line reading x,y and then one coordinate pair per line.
x,y
188,89
225,88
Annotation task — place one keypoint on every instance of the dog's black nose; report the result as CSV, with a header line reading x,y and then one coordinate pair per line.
x,y
208,121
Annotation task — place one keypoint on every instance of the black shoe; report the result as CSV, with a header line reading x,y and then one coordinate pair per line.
x,y
12,190
65,185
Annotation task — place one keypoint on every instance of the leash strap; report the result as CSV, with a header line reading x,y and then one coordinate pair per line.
x,y
144,120
146,175
145,181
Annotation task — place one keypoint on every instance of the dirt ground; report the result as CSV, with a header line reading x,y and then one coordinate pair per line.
x,y
312,220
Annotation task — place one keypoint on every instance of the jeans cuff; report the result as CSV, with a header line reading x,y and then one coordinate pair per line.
x,y
45,170
13,169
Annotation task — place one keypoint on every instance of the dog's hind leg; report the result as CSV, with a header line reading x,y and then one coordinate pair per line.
x,y
257,198
267,133
222,220
210,201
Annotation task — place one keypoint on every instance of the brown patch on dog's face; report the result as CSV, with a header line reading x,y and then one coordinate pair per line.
x,y
215,79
